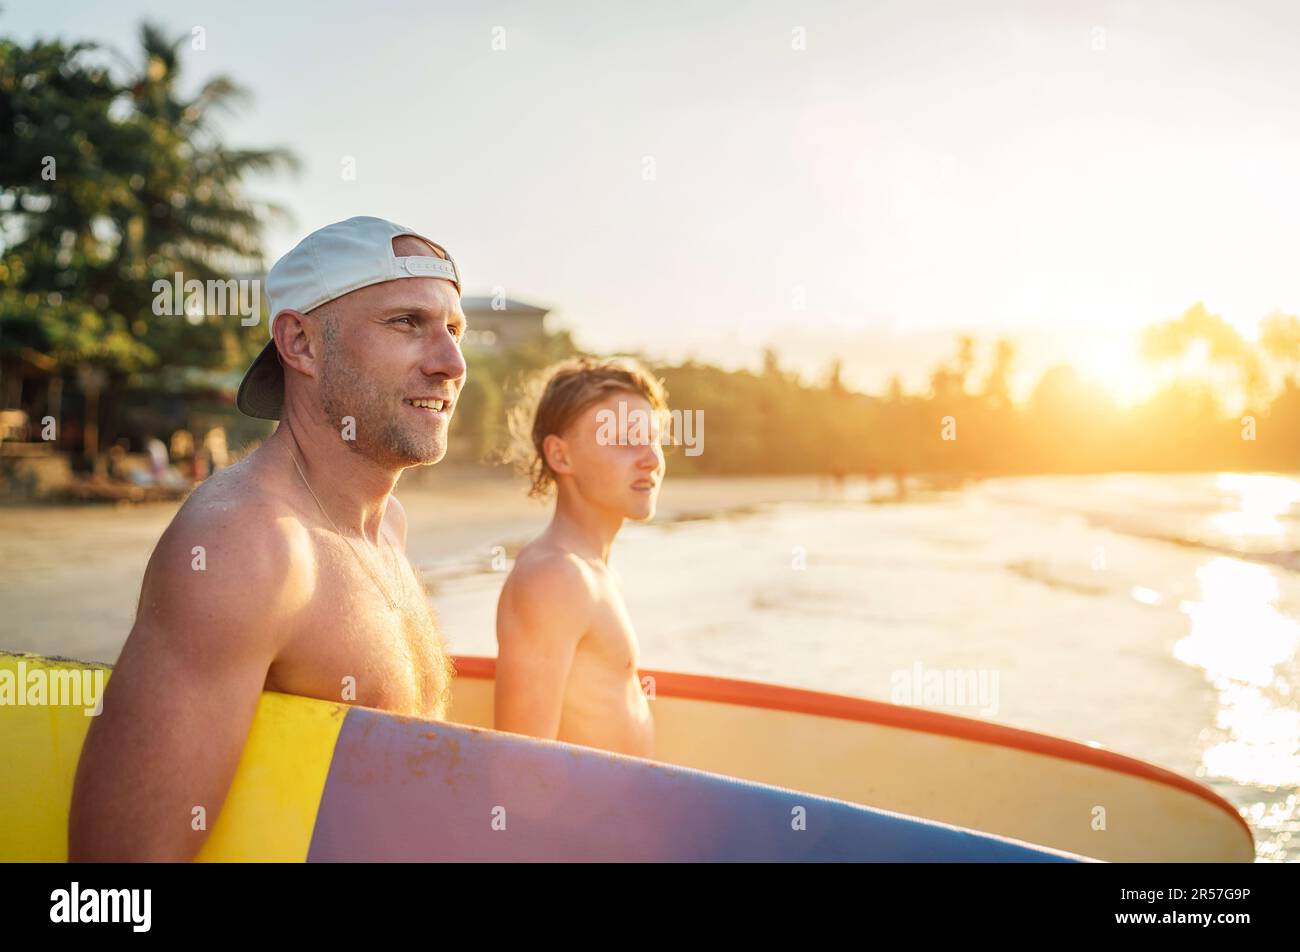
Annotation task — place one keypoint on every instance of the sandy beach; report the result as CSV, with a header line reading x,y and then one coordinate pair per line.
x,y
455,514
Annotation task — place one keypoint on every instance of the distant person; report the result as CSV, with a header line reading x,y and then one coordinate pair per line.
x,y
302,586
566,652
158,463
182,445
117,459
214,445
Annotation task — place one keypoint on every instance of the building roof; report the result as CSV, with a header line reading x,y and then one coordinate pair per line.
x,y
483,304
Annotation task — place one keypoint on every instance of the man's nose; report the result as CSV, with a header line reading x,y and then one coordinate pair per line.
x,y
444,358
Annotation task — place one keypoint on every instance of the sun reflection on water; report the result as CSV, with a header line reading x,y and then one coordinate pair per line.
x,y
1262,502
1237,633
1248,649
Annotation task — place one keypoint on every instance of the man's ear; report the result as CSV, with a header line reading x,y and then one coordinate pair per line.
x,y
556,454
297,338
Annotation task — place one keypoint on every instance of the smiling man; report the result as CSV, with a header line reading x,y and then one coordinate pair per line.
x,y
566,652
286,571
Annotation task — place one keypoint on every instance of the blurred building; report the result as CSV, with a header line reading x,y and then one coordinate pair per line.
x,y
500,322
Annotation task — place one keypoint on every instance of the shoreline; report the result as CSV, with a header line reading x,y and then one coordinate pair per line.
x,y
454,515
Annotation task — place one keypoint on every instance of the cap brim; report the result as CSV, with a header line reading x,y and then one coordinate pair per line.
x,y
261,392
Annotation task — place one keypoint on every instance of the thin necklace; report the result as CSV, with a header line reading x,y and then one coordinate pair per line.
x,y
392,605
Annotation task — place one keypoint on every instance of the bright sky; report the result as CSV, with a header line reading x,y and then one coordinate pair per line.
x,y
1062,172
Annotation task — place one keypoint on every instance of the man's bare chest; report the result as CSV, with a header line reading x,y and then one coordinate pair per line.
x,y
353,646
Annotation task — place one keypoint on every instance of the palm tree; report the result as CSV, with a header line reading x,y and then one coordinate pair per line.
x,y
191,213
1279,338
1199,335
140,193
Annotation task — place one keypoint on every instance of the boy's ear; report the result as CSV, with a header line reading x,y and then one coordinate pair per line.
x,y
556,454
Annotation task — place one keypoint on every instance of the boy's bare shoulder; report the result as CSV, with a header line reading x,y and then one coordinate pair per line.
x,y
543,564
549,595
547,579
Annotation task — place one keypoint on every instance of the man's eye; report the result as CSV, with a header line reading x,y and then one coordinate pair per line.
x,y
405,317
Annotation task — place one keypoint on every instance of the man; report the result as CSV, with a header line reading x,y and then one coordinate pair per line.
x,y
567,654
285,572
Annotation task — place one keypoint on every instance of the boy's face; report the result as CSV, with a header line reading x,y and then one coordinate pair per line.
x,y
611,452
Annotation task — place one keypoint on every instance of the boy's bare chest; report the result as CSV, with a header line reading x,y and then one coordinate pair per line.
x,y
611,640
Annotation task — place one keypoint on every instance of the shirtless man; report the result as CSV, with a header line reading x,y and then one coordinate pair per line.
x,y
567,655
285,572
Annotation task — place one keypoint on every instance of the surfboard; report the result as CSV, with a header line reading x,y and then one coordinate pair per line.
x,y
1080,798
747,772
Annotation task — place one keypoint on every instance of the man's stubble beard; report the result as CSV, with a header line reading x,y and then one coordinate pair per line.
x,y
379,430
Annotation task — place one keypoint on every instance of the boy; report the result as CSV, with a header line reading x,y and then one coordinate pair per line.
x,y
567,654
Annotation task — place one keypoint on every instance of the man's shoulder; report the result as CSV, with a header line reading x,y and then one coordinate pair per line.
x,y
237,502
240,533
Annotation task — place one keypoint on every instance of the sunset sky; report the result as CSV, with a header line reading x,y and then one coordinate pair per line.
x,y
1062,173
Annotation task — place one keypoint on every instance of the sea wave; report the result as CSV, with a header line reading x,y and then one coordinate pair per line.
x,y
1284,558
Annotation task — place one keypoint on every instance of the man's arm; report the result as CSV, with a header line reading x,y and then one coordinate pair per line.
x,y
181,699
544,610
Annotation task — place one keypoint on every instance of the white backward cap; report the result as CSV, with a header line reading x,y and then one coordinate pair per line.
x,y
327,264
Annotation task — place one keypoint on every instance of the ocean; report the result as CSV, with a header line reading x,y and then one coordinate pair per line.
x,y
1157,615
